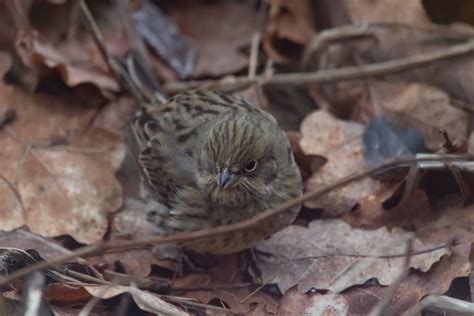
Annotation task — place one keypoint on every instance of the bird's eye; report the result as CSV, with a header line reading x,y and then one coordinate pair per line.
x,y
251,166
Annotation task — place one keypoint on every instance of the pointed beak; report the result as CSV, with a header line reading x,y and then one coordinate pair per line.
x,y
226,179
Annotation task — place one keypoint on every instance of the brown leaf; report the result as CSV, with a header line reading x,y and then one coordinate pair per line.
x,y
65,293
233,298
288,22
64,189
417,285
296,303
23,239
217,31
64,46
308,164
414,212
410,12
320,255
163,36
114,115
451,75
145,300
73,61
341,143
424,107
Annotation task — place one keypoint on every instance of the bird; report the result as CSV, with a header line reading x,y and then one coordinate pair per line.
x,y
208,158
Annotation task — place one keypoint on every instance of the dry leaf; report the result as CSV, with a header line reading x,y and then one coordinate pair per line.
x,y
23,239
296,303
320,255
64,189
233,298
409,12
73,61
163,36
370,213
341,143
65,293
289,23
424,107
417,285
217,32
146,300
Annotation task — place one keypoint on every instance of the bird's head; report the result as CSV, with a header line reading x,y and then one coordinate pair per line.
x,y
238,164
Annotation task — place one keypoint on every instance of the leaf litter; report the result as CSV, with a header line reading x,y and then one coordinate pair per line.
x,y
66,180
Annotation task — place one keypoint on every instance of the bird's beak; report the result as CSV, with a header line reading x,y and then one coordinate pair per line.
x,y
227,179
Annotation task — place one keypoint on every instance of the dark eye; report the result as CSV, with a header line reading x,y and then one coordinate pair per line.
x,y
251,166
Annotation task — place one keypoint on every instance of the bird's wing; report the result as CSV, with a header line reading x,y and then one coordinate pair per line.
x,y
163,165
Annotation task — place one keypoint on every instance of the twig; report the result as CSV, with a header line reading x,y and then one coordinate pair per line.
x,y
321,40
114,66
86,277
442,304
347,73
231,228
98,37
256,38
370,30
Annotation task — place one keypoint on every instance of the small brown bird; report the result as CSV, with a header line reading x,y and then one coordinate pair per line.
x,y
210,159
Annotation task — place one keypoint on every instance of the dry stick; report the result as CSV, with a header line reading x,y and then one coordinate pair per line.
x,y
232,228
443,305
371,30
113,65
256,38
347,73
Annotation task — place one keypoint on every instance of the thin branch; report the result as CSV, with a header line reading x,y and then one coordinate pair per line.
x,y
256,38
443,305
98,37
114,66
232,228
347,73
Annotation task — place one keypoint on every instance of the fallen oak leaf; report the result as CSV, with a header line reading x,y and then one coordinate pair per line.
x,y
74,64
70,188
146,300
340,142
217,47
425,107
234,299
64,189
317,256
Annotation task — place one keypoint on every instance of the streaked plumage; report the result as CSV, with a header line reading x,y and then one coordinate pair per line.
x,y
210,159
